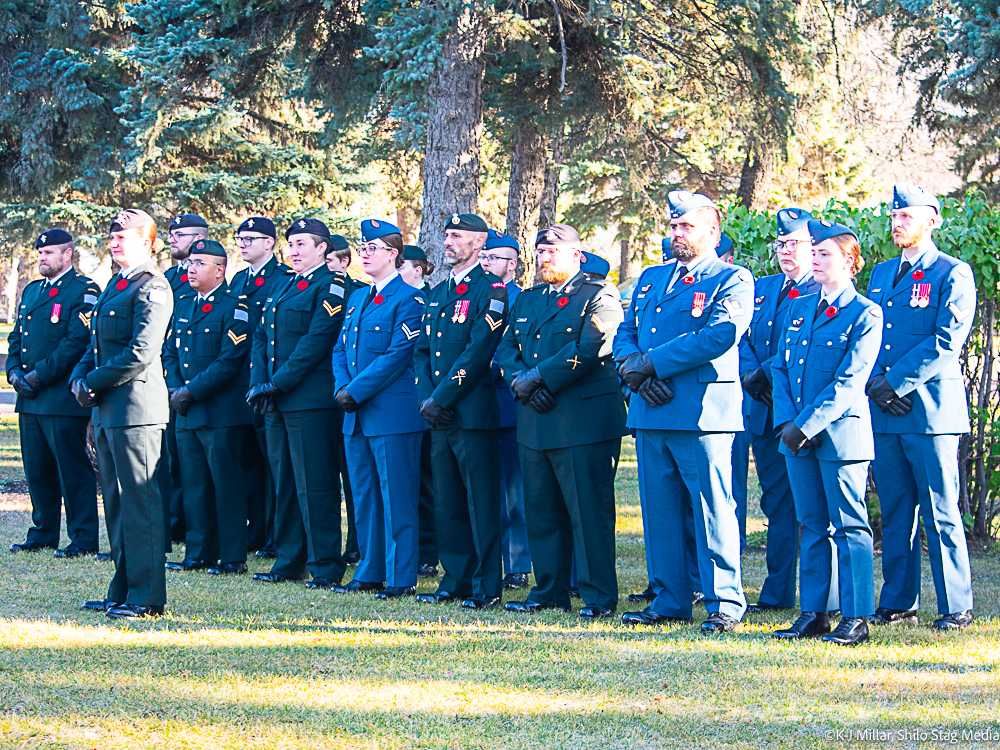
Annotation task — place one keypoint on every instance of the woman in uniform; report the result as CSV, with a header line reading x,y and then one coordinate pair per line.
x,y
822,417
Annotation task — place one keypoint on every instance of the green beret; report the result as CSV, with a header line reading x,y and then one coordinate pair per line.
x,y
468,222
412,252
208,247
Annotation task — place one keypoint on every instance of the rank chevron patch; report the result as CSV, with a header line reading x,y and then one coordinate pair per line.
x,y
237,340
493,324
330,309
409,332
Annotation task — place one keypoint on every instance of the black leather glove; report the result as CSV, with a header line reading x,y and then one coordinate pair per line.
x,y
899,406
17,382
795,440
542,400
82,393
33,381
181,401
525,384
435,414
635,369
346,401
880,392
757,386
261,397
656,392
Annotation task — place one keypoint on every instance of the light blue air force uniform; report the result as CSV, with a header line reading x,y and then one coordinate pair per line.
x,y
373,359
757,350
690,331
819,378
513,527
916,455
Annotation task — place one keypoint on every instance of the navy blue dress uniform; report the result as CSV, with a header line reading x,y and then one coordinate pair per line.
x,y
773,296
688,321
171,485
569,452
373,363
513,529
207,361
50,334
257,477
459,336
929,305
123,372
291,376
819,375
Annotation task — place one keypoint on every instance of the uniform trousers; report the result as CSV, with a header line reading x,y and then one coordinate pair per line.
x,y
258,483
428,554
170,483
782,526
513,530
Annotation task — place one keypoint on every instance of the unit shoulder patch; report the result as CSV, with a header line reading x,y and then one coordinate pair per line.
x,y
90,299
157,296
496,305
337,290
241,315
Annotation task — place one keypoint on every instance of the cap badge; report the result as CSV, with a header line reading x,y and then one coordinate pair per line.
x,y
302,223
200,245
455,219
250,223
121,218
42,238
375,224
826,223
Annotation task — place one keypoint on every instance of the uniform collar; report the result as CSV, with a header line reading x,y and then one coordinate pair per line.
x,y
55,280
800,279
252,273
836,294
210,292
381,285
312,270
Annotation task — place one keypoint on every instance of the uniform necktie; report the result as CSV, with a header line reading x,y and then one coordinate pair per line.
x,y
904,269
785,290
368,299
820,309
681,273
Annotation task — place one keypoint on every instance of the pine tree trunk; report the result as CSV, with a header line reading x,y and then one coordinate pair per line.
x,y
6,303
454,130
624,271
553,170
25,272
524,196
757,177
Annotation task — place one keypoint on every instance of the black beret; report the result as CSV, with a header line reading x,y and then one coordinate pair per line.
x,y
259,224
337,243
53,237
412,252
468,222
308,226
188,220
208,247
558,234
130,218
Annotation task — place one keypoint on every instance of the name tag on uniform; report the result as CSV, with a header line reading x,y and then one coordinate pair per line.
x,y
434,304
875,290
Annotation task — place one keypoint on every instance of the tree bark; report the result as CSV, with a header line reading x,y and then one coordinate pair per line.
x,y
524,195
6,303
25,272
623,269
454,131
553,171
757,177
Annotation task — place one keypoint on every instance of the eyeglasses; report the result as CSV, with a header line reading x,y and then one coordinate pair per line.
x,y
244,240
367,251
788,246
185,234
493,258
202,263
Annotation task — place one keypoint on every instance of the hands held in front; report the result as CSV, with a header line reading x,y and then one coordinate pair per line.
x,y
261,397
635,369
82,393
435,414
346,401
795,440
757,386
886,399
529,388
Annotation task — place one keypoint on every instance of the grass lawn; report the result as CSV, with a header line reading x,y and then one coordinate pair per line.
x,y
242,665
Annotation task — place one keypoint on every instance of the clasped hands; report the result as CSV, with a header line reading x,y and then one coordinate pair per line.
x,y
529,388
637,372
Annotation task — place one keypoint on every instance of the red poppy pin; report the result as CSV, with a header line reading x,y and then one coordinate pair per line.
x,y
461,288
688,279
562,301
918,274
53,292
184,277
379,299
259,282
123,284
831,311
793,294
206,307
303,284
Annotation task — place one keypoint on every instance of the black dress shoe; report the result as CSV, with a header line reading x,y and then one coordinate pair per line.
x,y
834,613
595,612
954,621
530,607
760,608
718,622
642,596
574,592
352,558
323,583
188,564
133,611
649,617
266,553
396,592
850,631
71,550
272,578
101,605
29,547
359,587
438,597
809,625
228,569
886,616
103,556
481,601
697,597
513,581
427,571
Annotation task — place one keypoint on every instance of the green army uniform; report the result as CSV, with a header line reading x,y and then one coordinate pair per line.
x,y
171,484
209,355
569,455
292,352
51,333
258,480
123,368
460,332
